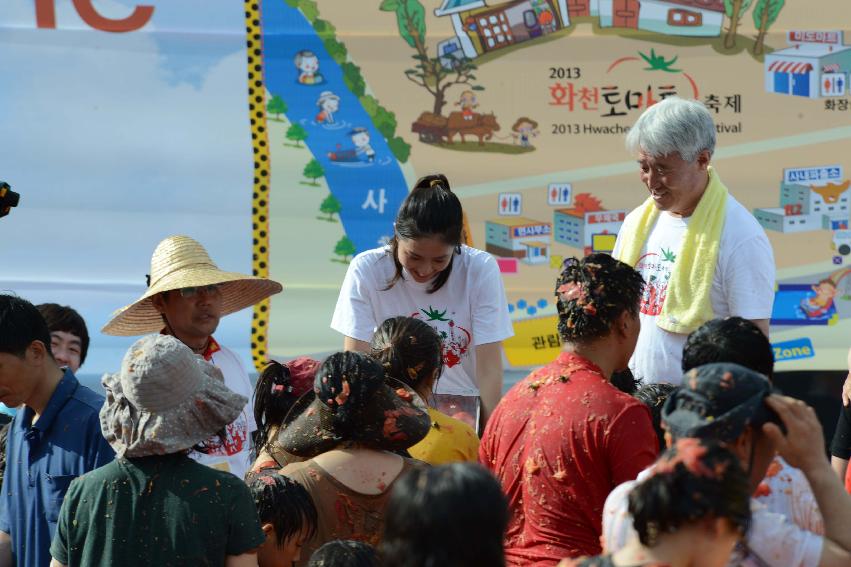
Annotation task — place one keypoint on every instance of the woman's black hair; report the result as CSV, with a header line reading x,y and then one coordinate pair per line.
x,y
592,293
285,504
694,480
273,398
447,516
344,553
625,381
653,396
409,349
732,339
430,209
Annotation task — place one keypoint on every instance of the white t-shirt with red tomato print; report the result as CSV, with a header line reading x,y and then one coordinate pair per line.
x,y
743,285
233,453
469,310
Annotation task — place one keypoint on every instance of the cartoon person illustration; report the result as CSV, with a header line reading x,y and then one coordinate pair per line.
x,y
307,63
468,103
524,130
820,304
360,138
328,104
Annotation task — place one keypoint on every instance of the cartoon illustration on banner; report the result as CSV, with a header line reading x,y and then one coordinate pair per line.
x,y
524,104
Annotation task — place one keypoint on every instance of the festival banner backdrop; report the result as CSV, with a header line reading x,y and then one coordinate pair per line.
x,y
284,134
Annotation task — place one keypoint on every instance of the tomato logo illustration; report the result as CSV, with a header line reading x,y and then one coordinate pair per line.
x,y
658,63
456,339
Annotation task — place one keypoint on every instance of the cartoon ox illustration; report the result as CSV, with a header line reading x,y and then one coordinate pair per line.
x,y
481,125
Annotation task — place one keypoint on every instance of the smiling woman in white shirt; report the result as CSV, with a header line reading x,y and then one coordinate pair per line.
x,y
428,273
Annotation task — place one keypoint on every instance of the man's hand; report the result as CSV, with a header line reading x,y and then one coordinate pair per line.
x,y
803,444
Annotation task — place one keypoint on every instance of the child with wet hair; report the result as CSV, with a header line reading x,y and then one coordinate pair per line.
x,y
276,390
287,516
448,516
344,553
692,510
410,351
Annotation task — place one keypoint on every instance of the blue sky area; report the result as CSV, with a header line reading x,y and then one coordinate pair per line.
x,y
116,141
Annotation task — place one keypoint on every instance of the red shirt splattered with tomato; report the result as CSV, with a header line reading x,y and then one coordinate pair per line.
x,y
559,442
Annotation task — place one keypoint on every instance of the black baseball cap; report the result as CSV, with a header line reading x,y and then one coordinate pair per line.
x,y
718,401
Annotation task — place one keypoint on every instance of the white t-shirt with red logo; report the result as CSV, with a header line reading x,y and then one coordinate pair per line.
x,y
469,310
234,455
743,285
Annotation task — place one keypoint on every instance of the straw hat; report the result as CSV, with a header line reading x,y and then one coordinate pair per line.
x,y
178,262
165,399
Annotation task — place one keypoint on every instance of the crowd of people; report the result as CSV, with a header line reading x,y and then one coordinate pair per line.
x,y
654,439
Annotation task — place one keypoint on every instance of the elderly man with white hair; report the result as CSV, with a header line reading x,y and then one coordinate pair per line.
x,y
701,253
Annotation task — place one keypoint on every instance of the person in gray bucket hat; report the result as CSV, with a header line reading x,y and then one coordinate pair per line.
x,y
154,505
732,404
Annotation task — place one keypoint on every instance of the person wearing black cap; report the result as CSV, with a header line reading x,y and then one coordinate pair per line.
x,y
785,489
734,405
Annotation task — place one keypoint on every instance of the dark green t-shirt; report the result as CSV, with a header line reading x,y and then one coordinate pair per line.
x,y
161,510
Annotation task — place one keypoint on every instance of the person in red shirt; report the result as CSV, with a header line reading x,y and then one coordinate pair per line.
x,y
564,437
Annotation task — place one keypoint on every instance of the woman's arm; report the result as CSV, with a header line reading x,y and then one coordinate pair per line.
x,y
350,344
489,377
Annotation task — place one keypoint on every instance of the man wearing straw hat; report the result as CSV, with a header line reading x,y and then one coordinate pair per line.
x,y
186,297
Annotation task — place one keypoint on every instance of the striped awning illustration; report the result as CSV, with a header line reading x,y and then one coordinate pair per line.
x,y
793,67
832,68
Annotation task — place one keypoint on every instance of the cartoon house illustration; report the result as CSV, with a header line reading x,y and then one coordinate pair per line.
x,y
816,65
701,18
587,223
480,28
519,237
804,206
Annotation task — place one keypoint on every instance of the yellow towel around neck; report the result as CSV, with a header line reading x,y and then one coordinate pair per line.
x,y
687,304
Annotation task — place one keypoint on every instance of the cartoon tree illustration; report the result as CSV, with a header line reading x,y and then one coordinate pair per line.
x,y
734,9
330,206
345,248
764,14
313,171
276,106
428,73
297,134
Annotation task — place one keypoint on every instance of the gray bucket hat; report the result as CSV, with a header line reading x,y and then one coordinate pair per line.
x,y
165,399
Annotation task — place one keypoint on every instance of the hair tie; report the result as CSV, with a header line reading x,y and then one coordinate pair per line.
x,y
277,388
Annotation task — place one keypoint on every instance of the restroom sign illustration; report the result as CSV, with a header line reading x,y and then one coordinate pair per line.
x,y
510,204
833,84
559,193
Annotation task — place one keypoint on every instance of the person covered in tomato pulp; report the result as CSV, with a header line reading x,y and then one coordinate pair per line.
x,y
410,351
691,509
728,403
564,436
